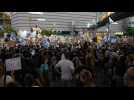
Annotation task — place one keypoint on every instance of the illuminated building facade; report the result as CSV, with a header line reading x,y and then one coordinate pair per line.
x,y
57,21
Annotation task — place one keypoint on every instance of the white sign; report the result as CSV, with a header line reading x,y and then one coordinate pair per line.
x,y
13,64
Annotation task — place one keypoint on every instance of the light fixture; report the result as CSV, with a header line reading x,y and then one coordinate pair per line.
x,y
115,23
41,19
38,13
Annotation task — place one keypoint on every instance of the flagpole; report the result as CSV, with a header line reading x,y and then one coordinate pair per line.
x,y
110,21
108,30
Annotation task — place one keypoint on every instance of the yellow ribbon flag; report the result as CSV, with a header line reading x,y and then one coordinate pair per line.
x,y
98,39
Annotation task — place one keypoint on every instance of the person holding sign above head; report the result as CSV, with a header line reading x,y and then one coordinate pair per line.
x,y
13,64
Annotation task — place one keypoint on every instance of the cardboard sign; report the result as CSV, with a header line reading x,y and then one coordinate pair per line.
x,y
13,64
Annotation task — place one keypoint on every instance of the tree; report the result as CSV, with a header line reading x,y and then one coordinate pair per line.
x,y
1,32
47,32
130,31
8,29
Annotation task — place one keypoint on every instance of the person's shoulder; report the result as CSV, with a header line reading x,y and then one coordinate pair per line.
x,y
59,62
70,62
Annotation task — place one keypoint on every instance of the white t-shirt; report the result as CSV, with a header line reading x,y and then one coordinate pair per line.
x,y
67,68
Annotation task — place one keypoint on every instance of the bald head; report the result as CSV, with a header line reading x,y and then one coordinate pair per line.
x,y
130,71
130,59
130,77
85,75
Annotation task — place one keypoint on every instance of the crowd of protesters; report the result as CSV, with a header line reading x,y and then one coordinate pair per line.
x,y
81,64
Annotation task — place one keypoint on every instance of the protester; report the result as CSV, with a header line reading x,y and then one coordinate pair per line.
x,y
130,60
86,78
44,70
1,75
129,77
67,68
10,82
76,61
64,62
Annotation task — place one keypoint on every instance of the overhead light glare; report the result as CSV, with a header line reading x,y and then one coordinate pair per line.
x,y
38,13
41,19
115,23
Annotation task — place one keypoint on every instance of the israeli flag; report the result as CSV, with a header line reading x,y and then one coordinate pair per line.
x,y
110,20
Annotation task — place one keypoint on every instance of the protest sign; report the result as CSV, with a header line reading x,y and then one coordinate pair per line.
x,y
13,64
11,43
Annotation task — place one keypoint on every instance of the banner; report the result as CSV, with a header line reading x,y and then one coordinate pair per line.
x,y
11,43
13,64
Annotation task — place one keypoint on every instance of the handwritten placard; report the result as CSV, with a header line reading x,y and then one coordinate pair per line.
x,y
13,64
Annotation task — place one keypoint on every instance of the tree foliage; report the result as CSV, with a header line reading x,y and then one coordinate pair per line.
x,y
1,32
8,29
130,31
47,32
